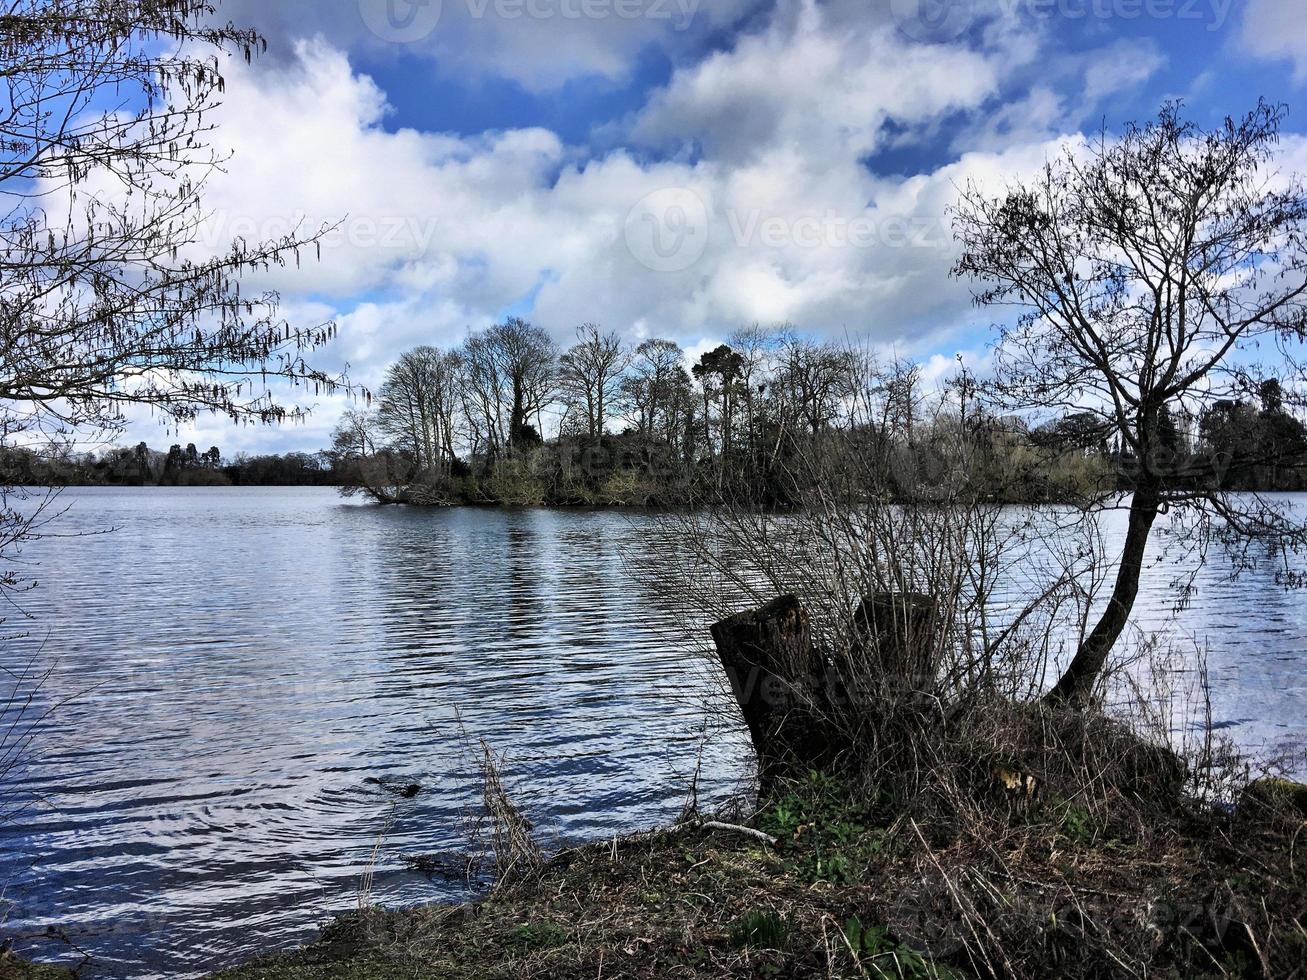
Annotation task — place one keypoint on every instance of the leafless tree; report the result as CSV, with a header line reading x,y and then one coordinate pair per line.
x,y
104,154
416,405
355,435
1147,270
107,299
757,347
653,381
509,378
812,382
590,375
485,395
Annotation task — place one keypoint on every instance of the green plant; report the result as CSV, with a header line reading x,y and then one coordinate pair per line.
x,y
883,957
1077,824
531,936
760,928
828,829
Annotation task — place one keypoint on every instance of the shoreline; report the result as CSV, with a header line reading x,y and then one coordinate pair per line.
x,y
835,875
849,888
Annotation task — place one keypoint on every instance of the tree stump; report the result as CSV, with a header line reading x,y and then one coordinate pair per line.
x,y
898,638
778,678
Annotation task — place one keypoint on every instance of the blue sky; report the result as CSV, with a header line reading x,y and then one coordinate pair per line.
x,y
681,168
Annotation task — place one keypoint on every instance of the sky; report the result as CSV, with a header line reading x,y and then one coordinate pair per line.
x,y
680,168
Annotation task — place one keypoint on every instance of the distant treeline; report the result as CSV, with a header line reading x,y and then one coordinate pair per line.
x,y
509,418
59,466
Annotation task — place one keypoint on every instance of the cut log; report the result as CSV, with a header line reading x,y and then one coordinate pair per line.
x,y
777,677
898,635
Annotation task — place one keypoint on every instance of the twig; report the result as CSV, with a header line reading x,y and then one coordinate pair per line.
x,y
738,829
967,914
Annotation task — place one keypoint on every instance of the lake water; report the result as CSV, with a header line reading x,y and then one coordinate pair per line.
x,y
231,670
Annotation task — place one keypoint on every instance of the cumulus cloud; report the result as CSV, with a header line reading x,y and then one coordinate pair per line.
x,y
1276,29
466,227
540,44
814,83
739,193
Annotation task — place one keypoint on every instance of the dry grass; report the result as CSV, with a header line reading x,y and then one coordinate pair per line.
x,y
1098,873
515,851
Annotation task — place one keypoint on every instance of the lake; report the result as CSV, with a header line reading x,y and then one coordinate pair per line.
x,y
232,671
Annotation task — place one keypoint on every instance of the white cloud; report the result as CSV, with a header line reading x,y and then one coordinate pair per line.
x,y
1277,29
1119,67
444,233
819,87
540,44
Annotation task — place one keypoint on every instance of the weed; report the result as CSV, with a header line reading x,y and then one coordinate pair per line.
x,y
760,929
532,936
1076,823
828,830
881,956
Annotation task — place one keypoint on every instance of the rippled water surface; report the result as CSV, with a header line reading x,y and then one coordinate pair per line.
x,y
234,668
233,665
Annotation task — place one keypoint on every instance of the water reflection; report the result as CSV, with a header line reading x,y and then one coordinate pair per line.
x,y
234,666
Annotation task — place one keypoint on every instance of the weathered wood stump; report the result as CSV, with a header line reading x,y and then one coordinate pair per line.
x,y
898,642
803,707
777,677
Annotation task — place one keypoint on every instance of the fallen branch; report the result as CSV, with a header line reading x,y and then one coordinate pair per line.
x,y
738,829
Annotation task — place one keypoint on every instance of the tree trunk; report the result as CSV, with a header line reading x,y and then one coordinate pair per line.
x,y
802,713
517,419
1077,683
899,635
777,678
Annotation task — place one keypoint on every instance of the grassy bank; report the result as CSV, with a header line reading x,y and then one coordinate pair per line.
x,y
859,884
13,968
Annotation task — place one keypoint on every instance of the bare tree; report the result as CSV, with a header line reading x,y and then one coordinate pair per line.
x,y
485,394
590,375
106,298
656,375
812,382
417,404
756,346
354,436
509,377
515,379
104,152
1146,270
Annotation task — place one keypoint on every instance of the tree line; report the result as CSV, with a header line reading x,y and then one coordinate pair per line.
x,y
61,465
510,417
